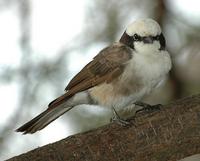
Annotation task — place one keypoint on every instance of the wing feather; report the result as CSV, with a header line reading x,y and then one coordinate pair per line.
x,y
104,67
105,62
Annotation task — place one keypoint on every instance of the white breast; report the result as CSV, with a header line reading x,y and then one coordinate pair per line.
x,y
151,68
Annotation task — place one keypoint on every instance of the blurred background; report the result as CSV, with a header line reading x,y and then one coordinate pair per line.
x,y
45,43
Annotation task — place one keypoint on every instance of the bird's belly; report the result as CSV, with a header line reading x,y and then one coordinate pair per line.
x,y
109,95
124,91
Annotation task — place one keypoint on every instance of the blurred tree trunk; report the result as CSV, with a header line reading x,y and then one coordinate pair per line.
x,y
170,134
160,15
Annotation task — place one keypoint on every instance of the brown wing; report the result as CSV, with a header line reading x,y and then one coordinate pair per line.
x,y
104,67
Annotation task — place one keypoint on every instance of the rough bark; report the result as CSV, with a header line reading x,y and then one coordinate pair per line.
x,y
170,134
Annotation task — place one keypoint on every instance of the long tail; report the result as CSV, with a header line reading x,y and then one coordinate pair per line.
x,y
43,119
55,109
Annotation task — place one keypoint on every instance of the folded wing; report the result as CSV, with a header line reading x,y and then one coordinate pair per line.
x,y
104,67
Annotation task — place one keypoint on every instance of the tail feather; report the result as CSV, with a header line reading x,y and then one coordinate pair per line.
x,y
42,120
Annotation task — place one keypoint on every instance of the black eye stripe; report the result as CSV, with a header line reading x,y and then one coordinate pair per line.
x,y
159,38
129,40
141,38
162,41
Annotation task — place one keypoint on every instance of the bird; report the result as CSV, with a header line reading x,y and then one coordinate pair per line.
x,y
117,77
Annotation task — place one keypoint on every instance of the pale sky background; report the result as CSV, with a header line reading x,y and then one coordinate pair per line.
x,y
46,23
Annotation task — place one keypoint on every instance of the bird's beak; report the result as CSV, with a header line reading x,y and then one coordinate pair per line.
x,y
148,40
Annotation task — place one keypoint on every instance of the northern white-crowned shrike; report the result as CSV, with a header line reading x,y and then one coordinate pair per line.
x,y
119,75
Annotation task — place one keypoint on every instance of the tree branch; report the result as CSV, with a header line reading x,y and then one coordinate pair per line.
x,y
166,135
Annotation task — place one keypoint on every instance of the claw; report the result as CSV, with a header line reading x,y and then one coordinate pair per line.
x,y
147,107
116,118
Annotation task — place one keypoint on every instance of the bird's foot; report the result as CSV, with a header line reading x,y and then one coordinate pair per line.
x,y
116,118
147,107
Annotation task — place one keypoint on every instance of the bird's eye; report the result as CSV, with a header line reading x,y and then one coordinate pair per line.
x,y
136,37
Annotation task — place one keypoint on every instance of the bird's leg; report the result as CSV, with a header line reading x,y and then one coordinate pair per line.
x,y
117,118
147,107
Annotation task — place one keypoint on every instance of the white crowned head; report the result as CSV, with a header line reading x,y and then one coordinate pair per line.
x,y
144,27
144,34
